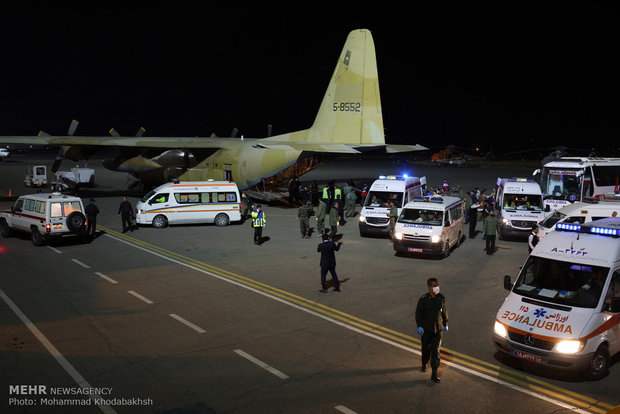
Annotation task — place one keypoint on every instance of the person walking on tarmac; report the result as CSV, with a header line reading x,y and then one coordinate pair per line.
x,y
126,212
333,220
258,222
392,215
303,214
338,198
320,216
532,239
473,218
328,262
431,316
91,211
489,227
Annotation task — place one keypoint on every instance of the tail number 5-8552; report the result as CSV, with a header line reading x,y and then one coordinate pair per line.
x,y
346,106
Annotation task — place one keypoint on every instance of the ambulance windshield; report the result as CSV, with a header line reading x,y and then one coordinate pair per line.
x,y
421,216
382,199
529,202
561,184
563,283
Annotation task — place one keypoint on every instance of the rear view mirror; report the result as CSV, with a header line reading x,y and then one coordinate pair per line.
x,y
507,283
615,305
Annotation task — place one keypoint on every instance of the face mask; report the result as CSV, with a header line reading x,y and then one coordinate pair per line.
x,y
436,290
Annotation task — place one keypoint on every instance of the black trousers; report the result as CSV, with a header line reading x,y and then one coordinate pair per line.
x,y
473,220
91,228
258,235
490,244
332,271
126,220
430,349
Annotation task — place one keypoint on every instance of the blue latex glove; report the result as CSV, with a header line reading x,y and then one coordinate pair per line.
x,y
445,328
420,330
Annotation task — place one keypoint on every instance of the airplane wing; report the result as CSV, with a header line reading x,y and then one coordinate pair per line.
x,y
140,142
332,147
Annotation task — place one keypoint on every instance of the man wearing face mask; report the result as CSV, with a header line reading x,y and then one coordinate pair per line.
x,y
431,316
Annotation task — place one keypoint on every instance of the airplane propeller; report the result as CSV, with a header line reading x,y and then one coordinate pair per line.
x,y
61,152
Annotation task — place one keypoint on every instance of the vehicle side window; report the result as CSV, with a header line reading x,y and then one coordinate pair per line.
x,y
187,198
597,218
29,205
19,205
613,291
231,197
160,198
40,207
576,219
205,198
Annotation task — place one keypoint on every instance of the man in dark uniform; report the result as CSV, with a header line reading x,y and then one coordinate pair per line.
x,y
126,212
431,316
328,262
532,239
91,211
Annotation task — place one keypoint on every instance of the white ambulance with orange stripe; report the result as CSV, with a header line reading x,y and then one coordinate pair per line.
x,y
563,311
190,202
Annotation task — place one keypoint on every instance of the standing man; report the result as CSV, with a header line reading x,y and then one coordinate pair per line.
x,y
392,215
431,316
489,227
532,239
328,262
126,212
91,211
258,222
473,218
333,220
320,217
303,214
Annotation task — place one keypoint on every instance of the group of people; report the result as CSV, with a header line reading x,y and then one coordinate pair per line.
x,y
480,206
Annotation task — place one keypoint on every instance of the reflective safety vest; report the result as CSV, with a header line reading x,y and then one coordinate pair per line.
x,y
338,194
258,219
325,193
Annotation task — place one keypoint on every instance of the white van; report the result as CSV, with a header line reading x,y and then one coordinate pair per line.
x,y
578,213
429,225
519,206
564,309
190,202
375,214
36,176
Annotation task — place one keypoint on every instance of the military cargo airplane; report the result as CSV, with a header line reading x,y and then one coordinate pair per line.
x,y
349,121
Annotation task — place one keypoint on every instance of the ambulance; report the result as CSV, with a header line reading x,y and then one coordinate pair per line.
x,y
580,212
375,213
519,206
429,225
563,311
190,202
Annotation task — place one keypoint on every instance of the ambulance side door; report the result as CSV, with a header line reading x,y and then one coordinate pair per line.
x,y
613,335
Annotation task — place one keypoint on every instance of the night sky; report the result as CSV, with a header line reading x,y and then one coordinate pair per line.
x,y
500,76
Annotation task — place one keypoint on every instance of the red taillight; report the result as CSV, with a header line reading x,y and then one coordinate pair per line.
x,y
48,227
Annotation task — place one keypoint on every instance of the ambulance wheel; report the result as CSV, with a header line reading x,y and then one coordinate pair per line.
x,y
160,221
221,220
37,238
76,222
446,249
598,366
5,229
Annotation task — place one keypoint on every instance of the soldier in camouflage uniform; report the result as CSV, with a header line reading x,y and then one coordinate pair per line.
x,y
304,213
320,217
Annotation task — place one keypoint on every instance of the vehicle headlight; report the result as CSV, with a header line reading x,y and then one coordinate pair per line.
x,y
569,347
500,330
398,235
362,219
139,211
435,238
505,221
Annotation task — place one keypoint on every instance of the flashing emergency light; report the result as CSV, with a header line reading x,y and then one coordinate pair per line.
x,y
568,227
613,231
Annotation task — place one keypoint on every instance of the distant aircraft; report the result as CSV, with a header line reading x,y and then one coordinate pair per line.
x,y
452,155
349,121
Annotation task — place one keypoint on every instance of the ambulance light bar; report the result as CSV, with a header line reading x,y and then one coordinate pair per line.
x,y
592,228
433,199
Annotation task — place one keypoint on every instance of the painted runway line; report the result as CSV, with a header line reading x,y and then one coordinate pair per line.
x,y
187,323
261,364
139,296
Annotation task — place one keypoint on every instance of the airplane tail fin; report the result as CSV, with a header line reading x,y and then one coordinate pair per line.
x,y
351,109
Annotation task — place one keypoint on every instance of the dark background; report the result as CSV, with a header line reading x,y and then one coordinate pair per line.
x,y
504,77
